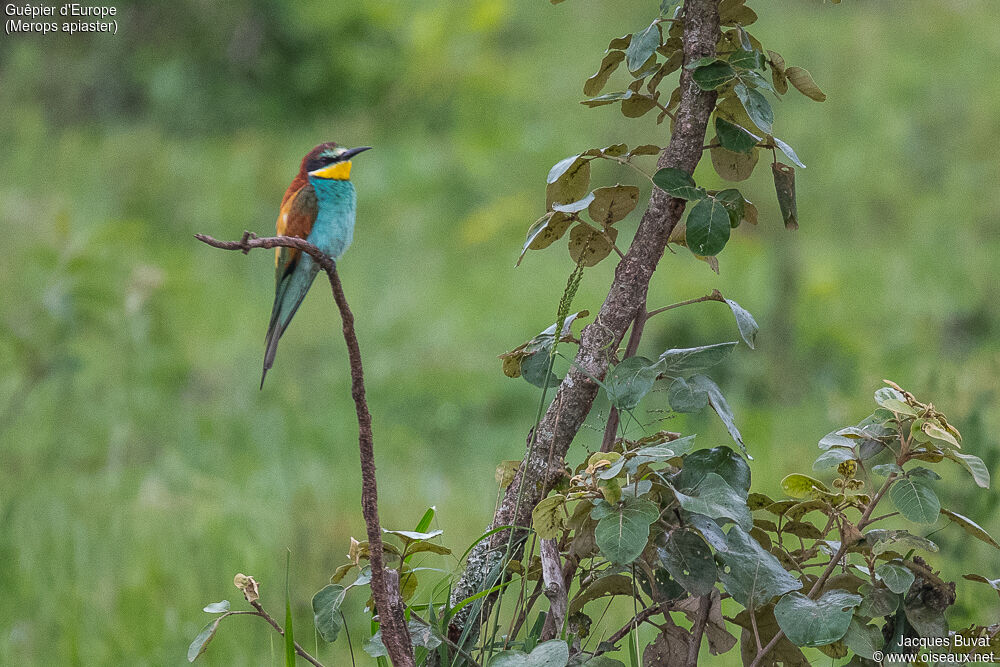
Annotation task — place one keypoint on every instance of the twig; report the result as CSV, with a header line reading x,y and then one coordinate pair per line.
x,y
555,589
267,617
636,621
714,296
756,632
698,629
385,583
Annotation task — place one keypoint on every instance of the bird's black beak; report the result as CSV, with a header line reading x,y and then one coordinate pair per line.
x,y
348,154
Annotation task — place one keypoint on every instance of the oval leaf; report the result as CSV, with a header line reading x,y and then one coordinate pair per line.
x,y
677,183
756,105
200,642
613,203
326,611
734,166
915,500
971,527
708,227
642,46
621,536
897,578
803,82
596,82
588,247
816,622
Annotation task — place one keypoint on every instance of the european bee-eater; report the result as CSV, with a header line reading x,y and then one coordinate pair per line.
x,y
319,207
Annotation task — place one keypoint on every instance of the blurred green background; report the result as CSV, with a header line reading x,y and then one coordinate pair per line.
x,y
140,467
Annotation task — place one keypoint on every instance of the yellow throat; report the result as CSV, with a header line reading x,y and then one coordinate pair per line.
x,y
338,171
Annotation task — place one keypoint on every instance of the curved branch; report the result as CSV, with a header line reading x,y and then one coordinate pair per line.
x,y
385,583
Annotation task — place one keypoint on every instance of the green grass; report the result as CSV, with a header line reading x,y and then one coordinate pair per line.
x,y
140,467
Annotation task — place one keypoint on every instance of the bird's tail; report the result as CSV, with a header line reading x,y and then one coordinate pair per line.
x,y
288,296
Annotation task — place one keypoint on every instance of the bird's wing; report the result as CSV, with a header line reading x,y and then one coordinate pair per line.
x,y
298,213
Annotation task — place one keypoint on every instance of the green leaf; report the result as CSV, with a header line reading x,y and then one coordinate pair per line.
x,y
816,622
646,149
734,137
708,227
663,451
576,206
993,583
897,578
685,398
607,98
630,381
612,204
746,59
597,81
686,361
787,150
677,183
609,585
864,639
927,621
553,653
568,183
412,535
833,457
642,46
834,439
971,527
200,642
915,500
980,473
803,82
938,434
424,547
802,486
425,520
734,166
784,187
712,75
735,205
326,611
689,561
545,231
721,407
745,322
750,573
756,105
588,247
716,499
217,607
899,407
534,368
886,469
560,168
636,105
721,461
878,601
549,516
897,540
621,536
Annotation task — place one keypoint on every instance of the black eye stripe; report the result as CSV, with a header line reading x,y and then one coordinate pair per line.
x,y
321,161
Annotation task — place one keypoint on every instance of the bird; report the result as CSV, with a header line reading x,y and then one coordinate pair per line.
x,y
318,206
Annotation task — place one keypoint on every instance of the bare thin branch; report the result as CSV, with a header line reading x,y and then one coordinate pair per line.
x,y
385,583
